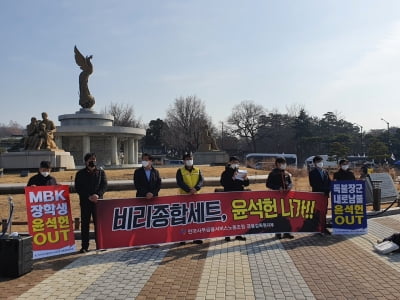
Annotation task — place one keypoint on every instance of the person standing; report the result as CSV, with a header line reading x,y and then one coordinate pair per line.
x,y
189,180
43,176
147,179
344,172
90,184
232,181
320,182
280,180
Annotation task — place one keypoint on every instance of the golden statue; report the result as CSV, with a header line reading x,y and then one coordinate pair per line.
x,y
207,143
32,131
47,129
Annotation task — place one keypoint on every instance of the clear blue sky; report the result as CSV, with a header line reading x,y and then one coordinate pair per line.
x,y
340,56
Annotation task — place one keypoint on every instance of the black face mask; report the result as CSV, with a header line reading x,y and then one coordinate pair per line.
x,y
92,164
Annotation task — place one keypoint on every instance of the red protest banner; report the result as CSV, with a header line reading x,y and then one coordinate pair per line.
x,y
137,221
49,220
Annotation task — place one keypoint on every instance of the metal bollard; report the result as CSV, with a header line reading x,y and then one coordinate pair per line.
x,y
77,222
376,193
4,224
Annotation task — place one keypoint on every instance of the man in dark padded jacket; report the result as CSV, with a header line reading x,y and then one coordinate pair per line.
x,y
280,180
90,184
232,181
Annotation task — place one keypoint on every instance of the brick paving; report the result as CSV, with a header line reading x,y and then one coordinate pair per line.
x,y
307,267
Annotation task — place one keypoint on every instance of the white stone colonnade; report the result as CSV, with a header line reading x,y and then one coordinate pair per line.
x,y
86,131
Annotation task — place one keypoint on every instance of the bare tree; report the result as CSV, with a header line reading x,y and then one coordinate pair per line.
x,y
13,128
245,121
185,123
124,115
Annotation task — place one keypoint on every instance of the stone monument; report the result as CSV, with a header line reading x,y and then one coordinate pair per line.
x,y
79,133
39,145
208,152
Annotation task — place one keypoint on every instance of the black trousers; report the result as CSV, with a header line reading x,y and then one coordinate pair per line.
x,y
88,211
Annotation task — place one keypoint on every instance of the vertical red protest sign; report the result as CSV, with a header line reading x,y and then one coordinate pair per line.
x,y
50,220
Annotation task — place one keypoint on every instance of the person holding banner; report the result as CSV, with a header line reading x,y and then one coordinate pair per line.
x,y
90,184
232,181
320,182
189,180
43,177
147,179
280,180
344,173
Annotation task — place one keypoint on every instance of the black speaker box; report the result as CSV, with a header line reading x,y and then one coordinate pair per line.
x,y
16,256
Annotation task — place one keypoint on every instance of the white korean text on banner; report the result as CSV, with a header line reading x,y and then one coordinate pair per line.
x,y
50,220
349,214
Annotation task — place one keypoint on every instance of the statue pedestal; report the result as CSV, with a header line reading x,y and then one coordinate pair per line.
x,y
60,160
216,157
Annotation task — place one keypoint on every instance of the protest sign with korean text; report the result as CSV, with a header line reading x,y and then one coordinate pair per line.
x,y
49,220
138,221
349,215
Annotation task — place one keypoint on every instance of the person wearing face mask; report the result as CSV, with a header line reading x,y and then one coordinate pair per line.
x,y
43,176
189,180
147,179
344,172
320,182
319,178
232,182
280,180
90,185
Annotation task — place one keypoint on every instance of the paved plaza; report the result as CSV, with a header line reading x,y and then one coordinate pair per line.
x,y
307,267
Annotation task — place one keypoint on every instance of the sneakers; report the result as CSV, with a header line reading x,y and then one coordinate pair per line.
x,y
288,236
327,232
279,236
240,238
83,250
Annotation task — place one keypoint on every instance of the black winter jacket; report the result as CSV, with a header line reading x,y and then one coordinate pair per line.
x,y
144,186
40,180
88,183
229,183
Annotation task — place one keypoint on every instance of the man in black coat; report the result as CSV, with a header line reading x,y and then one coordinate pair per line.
x,y
232,180
43,177
280,180
344,172
147,179
90,184
230,177
320,182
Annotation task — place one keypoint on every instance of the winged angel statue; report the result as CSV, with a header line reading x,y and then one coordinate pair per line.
x,y
85,99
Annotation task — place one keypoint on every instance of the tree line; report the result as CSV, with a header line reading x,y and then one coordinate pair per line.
x,y
250,127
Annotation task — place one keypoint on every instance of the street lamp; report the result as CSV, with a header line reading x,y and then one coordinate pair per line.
x,y
388,133
222,135
361,134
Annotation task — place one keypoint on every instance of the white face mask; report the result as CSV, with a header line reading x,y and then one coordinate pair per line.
x,y
189,162
45,174
235,166
145,163
345,167
283,166
320,164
